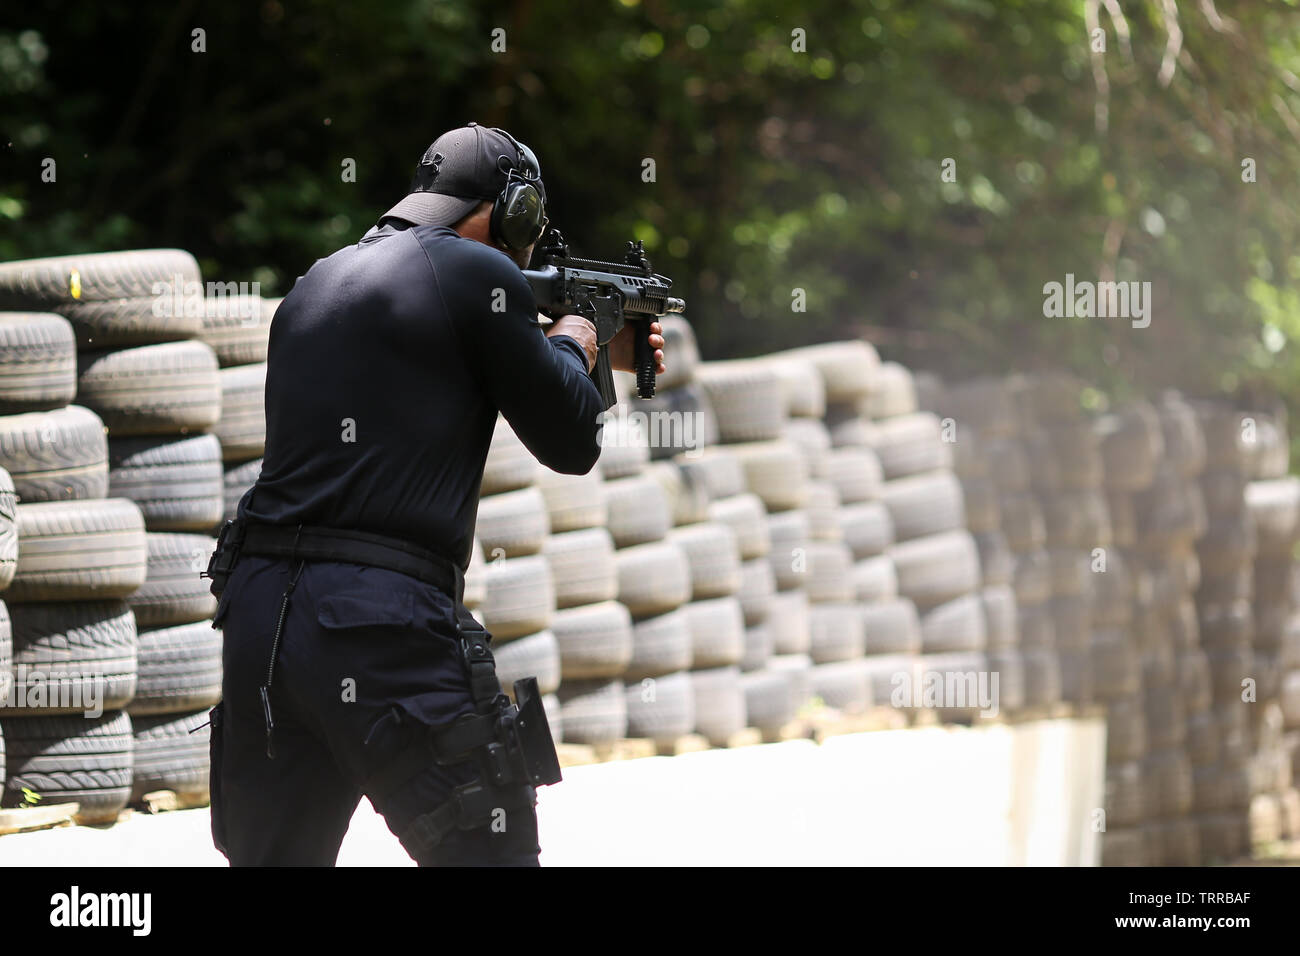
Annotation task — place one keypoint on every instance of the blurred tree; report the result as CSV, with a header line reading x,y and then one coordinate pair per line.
x,y
793,148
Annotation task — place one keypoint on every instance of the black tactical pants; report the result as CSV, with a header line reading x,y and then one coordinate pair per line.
x,y
368,661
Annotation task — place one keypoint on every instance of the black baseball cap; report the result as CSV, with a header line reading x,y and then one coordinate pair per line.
x,y
462,168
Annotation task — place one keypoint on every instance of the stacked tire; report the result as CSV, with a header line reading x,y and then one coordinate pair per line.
x,y
509,585
1221,748
751,476
238,328
110,330
1273,502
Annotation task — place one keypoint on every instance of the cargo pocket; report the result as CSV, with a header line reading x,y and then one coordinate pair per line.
x,y
365,609
217,804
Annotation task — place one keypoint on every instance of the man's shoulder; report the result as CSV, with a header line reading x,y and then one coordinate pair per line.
x,y
444,245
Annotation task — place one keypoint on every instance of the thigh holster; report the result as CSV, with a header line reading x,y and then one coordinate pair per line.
x,y
510,744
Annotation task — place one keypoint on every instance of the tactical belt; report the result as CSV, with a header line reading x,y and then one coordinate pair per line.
x,y
308,543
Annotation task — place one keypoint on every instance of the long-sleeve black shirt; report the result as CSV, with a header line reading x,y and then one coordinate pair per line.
x,y
388,362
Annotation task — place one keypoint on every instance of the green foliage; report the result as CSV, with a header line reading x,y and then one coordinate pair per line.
x,y
775,169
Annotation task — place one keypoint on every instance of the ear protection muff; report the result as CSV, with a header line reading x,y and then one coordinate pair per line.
x,y
519,212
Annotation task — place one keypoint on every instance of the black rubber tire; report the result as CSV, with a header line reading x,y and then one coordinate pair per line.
x,y
713,557
152,390
79,551
582,566
1022,521
856,474
55,456
8,530
171,753
6,656
38,362
848,368
236,480
1183,439
1126,729
237,328
574,502
537,655
802,388
660,708
173,593
718,469
790,534
1043,685
891,627
829,575
638,510
84,651
1167,779
71,759
1001,618
776,471
594,641
688,494
812,436
680,343
747,518
875,580
113,300
758,647
717,629
997,563
1009,666
937,568
985,405
719,703
177,483
652,578
1125,798
957,625
242,424
510,464
822,505
866,528
1132,445
519,598
757,589
910,444
893,392
1116,668
624,446
689,405
1077,519
787,619
746,397
512,524
1032,578
1036,626
836,632
770,701
929,503
593,711
179,670
981,505
660,645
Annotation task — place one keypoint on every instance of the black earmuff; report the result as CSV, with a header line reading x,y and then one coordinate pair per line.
x,y
519,212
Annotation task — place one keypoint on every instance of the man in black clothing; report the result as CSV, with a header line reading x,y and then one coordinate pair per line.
x,y
388,363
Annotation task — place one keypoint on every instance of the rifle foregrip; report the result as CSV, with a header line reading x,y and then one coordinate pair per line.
x,y
645,359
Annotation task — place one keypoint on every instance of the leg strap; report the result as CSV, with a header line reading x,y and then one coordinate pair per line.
x,y
470,807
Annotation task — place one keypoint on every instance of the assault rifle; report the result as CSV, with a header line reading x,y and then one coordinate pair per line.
x,y
608,294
